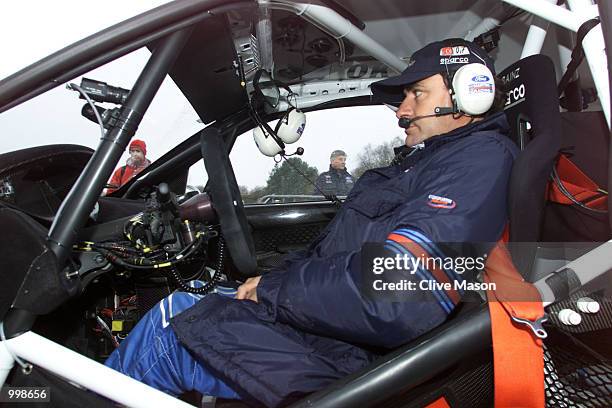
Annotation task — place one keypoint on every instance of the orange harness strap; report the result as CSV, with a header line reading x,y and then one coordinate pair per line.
x,y
518,356
578,184
439,403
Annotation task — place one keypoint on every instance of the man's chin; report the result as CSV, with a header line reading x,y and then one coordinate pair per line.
x,y
414,137
136,163
412,140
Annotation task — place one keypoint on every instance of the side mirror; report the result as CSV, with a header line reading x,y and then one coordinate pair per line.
x,y
266,88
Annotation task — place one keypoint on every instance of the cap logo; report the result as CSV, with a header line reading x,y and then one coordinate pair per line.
x,y
454,51
454,60
411,62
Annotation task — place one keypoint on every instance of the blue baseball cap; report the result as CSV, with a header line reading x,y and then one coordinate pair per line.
x,y
438,57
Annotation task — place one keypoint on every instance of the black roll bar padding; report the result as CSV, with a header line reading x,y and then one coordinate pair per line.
x,y
17,321
75,209
605,15
226,201
409,366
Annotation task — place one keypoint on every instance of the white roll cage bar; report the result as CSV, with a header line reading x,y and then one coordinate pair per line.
x,y
545,11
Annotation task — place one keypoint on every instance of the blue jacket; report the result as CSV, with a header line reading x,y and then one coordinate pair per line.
x,y
336,182
312,325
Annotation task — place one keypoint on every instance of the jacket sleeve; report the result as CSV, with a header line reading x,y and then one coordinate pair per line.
x,y
115,181
324,295
320,188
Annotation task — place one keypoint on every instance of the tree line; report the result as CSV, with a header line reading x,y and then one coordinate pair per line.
x,y
295,176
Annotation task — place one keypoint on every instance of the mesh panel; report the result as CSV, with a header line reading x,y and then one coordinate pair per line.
x,y
577,363
555,392
576,375
590,321
150,293
286,238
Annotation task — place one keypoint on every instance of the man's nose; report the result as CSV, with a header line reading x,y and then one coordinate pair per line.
x,y
405,109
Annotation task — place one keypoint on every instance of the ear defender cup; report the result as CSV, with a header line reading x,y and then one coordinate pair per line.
x,y
290,128
474,89
266,143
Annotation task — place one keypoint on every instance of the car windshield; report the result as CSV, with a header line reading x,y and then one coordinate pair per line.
x,y
362,138
169,120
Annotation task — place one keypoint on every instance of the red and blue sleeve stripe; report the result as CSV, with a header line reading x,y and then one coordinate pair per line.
x,y
429,247
404,241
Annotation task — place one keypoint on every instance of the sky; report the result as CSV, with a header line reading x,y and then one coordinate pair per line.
x,y
33,29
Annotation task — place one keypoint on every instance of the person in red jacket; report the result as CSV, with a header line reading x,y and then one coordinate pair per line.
x,y
136,163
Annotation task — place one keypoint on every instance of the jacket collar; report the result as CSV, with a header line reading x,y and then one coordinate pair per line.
x,y
142,165
495,122
331,169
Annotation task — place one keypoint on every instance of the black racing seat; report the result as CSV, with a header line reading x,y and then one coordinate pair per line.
x,y
532,109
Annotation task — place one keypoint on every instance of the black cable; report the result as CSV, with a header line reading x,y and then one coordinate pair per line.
x,y
555,176
144,263
90,102
107,250
197,275
209,286
330,197
117,247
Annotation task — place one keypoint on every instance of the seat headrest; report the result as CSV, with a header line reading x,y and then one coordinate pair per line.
x,y
532,105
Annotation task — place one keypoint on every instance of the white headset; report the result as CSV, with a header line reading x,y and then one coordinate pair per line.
x,y
473,89
288,130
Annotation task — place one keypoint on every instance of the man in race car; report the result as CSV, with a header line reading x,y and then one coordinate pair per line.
x,y
297,329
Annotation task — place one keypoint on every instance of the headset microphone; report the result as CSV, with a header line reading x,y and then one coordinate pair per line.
x,y
439,111
299,151
405,122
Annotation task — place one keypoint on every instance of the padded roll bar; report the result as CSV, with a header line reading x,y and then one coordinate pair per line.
x,y
409,366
